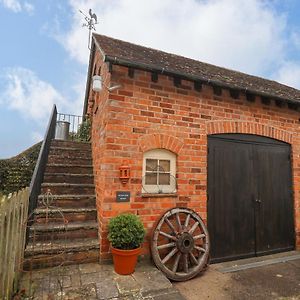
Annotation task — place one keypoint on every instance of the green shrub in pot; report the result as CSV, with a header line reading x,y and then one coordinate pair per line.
x,y
126,232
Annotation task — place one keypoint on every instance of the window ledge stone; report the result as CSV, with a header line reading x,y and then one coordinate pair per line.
x,y
157,195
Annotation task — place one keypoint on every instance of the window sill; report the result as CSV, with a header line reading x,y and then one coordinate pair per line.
x,y
156,195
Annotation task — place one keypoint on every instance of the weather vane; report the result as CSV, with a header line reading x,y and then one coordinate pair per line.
x,y
90,22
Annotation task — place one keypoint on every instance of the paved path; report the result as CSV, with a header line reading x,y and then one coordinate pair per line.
x,y
94,281
261,278
240,280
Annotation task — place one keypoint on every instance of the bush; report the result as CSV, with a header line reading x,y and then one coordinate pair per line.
x,y
126,232
84,131
16,172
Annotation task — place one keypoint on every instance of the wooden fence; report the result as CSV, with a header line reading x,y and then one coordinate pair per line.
x,y
13,217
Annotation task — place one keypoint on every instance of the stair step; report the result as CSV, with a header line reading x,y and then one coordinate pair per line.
x,y
70,152
56,159
63,231
41,255
65,201
59,246
52,214
68,188
68,178
60,227
69,168
71,144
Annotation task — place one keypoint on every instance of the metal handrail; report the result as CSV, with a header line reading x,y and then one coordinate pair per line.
x,y
38,174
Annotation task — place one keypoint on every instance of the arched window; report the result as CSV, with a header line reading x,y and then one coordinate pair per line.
x,y
159,172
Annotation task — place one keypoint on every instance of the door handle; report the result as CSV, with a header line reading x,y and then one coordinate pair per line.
x,y
257,200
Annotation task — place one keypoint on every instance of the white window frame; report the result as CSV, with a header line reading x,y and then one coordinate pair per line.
x,y
160,154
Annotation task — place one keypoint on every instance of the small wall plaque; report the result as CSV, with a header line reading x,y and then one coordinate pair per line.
x,y
123,196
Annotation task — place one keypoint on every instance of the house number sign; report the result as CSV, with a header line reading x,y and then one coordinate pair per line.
x,y
123,196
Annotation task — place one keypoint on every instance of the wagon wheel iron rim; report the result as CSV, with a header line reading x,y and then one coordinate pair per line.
x,y
180,244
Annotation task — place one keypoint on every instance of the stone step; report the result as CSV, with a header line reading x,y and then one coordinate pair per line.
x,y
56,159
69,201
68,178
63,231
70,152
69,168
68,188
54,253
71,144
52,214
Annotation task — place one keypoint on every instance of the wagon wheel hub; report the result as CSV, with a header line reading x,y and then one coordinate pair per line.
x,y
185,243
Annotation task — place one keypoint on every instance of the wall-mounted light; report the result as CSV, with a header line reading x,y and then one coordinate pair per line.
x,y
124,173
97,84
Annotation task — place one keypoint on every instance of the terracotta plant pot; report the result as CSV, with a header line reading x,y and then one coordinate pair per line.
x,y
125,260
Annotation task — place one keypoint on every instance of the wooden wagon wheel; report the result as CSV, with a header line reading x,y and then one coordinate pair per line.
x,y
180,244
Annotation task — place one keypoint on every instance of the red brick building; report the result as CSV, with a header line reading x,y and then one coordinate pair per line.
x,y
231,140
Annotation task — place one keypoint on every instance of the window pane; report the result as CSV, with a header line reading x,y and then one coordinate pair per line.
x,y
164,165
151,164
151,178
164,179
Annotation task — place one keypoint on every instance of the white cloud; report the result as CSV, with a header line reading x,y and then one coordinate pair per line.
x,y
289,74
36,136
17,6
32,97
28,7
246,35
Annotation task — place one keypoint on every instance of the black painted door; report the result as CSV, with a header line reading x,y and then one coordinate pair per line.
x,y
250,207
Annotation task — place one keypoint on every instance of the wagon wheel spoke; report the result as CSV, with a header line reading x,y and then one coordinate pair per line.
x,y
185,263
167,235
178,221
184,254
200,249
164,246
177,259
191,231
187,221
169,255
200,236
194,259
170,225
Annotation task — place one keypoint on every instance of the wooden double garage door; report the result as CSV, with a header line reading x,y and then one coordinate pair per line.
x,y
250,199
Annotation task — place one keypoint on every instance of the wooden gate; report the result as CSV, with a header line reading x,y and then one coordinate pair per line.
x,y
250,201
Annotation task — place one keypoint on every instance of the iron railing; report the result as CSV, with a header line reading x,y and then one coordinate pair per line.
x,y
38,174
78,130
76,123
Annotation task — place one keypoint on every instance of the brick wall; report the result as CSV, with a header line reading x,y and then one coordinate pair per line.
x,y
144,115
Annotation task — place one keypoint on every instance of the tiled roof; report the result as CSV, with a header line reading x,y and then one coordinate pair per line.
x,y
125,53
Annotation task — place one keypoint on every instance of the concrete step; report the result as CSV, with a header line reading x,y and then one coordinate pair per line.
x,y
62,231
54,253
71,144
69,168
69,201
68,188
68,178
52,214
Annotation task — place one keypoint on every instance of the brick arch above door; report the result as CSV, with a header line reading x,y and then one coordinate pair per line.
x,y
157,140
244,127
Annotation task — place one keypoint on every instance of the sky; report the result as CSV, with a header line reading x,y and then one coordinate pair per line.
x,y
44,49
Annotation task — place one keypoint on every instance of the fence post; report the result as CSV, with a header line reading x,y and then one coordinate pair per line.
x,y
13,216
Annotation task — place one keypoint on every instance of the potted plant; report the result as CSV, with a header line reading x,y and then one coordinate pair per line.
x,y
126,234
